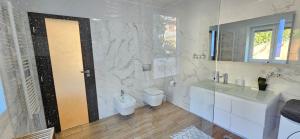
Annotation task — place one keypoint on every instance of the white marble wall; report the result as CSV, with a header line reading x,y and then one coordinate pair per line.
x,y
118,62
194,19
120,48
16,121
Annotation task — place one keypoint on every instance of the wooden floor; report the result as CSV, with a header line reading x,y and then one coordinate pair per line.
x,y
147,123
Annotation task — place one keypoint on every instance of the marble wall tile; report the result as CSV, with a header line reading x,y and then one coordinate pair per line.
x,y
194,18
17,121
16,115
118,59
164,67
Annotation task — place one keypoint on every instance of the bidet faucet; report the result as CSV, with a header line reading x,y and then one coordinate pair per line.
x,y
122,92
217,76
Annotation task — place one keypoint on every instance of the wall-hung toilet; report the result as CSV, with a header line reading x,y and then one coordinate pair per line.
x,y
289,127
153,96
125,104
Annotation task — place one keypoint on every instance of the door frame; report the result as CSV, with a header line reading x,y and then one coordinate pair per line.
x,y
44,68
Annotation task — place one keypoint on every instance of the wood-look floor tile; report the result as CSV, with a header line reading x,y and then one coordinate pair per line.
x,y
145,123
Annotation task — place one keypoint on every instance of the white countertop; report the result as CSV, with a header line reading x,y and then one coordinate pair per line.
x,y
264,97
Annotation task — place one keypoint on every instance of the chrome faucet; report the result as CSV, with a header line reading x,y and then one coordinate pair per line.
x,y
217,77
225,78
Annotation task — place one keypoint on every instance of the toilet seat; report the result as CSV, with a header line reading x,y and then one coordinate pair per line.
x,y
153,96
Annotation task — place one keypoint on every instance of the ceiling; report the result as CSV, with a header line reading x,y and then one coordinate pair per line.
x,y
159,3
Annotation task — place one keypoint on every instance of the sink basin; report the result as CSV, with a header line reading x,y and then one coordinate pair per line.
x,y
237,91
223,87
218,87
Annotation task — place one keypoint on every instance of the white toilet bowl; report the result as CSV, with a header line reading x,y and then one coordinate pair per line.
x,y
153,96
125,105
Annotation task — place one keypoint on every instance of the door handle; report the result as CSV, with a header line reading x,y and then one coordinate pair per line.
x,y
86,72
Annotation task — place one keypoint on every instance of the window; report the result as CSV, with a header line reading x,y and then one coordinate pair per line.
x,y
262,43
2,99
168,35
270,43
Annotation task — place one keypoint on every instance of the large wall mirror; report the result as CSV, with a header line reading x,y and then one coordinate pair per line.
x,y
264,40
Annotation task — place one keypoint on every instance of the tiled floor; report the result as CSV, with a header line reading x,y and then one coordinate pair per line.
x,y
147,123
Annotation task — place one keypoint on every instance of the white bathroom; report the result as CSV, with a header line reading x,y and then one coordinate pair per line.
x,y
126,69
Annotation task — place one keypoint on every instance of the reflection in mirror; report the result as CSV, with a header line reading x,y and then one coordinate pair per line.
x,y
263,40
2,98
213,34
166,30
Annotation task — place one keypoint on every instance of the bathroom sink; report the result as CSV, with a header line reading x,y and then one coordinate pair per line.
x,y
211,85
219,87
224,86
237,91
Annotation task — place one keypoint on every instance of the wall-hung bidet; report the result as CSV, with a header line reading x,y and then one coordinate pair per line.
x,y
153,97
125,104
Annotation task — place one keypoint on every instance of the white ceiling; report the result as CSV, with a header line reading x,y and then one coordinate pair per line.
x,y
160,3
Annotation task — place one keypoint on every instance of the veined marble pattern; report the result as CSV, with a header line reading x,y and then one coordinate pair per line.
x,y
118,59
164,67
192,38
121,46
15,121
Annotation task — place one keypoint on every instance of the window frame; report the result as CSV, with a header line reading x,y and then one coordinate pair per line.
x,y
253,30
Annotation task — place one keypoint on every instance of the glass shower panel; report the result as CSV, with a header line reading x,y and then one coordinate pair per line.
x,y
194,91
164,35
